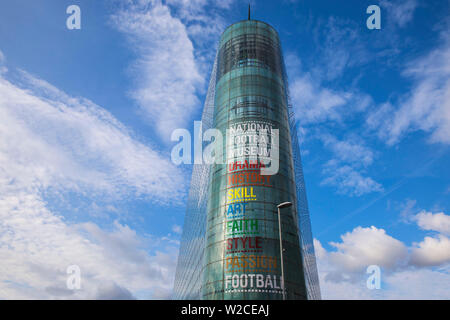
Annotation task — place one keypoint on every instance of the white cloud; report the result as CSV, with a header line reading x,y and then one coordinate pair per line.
x,y
350,151
340,47
315,96
37,246
347,180
173,41
315,104
52,140
3,69
345,169
399,12
417,284
319,250
202,17
205,20
57,146
372,246
109,290
407,209
414,284
166,73
432,251
177,229
433,221
54,145
342,272
367,246
426,107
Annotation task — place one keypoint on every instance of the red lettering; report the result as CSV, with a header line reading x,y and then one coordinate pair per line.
x,y
244,243
229,244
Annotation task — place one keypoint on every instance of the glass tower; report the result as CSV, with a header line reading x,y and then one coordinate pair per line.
x,y
230,246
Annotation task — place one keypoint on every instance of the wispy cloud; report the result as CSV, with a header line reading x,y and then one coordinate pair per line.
x,y
346,169
314,98
50,139
399,12
205,20
322,102
350,151
172,42
166,74
426,107
57,145
177,229
340,47
314,103
348,180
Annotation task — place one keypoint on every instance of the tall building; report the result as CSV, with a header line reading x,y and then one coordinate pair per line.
x,y
230,247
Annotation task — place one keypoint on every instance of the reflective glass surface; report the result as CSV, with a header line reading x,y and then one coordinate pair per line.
x,y
234,251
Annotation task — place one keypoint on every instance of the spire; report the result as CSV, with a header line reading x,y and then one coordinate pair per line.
x,y
249,11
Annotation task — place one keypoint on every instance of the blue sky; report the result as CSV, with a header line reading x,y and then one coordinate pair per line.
x,y
86,117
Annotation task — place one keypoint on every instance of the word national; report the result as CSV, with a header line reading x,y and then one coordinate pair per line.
x,y
250,127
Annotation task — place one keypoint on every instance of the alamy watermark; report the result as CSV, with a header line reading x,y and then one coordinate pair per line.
x,y
256,142
374,280
74,279
74,20
374,20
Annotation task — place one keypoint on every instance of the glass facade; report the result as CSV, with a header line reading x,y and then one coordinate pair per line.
x,y
230,246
